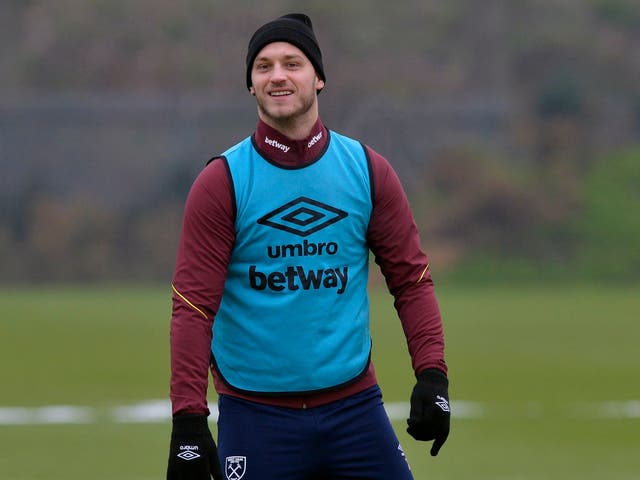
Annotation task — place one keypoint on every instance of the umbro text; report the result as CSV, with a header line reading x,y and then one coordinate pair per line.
x,y
303,249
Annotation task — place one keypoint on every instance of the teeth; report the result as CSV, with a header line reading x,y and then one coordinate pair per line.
x,y
280,94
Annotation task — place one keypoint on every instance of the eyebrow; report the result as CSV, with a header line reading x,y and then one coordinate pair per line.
x,y
286,57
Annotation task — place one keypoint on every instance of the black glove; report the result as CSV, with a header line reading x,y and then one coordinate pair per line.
x,y
430,415
192,454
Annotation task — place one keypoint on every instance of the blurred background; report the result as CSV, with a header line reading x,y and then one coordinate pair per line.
x,y
513,125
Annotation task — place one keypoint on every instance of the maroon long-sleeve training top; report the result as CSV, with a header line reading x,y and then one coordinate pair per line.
x,y
205,247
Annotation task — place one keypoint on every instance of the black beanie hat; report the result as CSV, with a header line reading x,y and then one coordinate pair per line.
x,y
294,28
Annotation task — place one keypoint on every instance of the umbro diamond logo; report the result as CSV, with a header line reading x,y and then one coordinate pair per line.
x,y
302,216
188,454
442,403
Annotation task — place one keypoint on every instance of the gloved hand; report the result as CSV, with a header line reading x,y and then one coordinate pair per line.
x,y
430,414
192,454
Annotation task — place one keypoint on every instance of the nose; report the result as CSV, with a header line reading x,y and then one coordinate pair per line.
x,y
278,74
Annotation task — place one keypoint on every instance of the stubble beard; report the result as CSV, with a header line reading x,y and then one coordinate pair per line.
x,y
286,121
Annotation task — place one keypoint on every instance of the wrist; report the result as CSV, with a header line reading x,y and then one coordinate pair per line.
x,y
434,376
190,423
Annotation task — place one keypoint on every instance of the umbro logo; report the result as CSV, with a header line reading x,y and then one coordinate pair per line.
x,y
302,216
442,403
188,452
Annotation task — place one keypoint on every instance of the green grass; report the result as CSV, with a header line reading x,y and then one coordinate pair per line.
x,y
84,345
531,356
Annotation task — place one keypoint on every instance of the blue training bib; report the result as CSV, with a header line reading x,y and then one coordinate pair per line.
x,y
294,315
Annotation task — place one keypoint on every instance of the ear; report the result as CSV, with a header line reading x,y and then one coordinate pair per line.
x,y
319,84
252,91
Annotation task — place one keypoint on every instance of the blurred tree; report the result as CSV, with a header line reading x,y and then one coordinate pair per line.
x,y
505,107
69,241
481,204
608,228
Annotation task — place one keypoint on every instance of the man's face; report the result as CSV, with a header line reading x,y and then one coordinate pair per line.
x,y
285,84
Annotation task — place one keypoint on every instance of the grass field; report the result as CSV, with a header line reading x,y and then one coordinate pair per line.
x,y
552,375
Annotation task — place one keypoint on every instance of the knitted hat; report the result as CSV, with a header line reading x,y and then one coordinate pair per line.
x,y
294,28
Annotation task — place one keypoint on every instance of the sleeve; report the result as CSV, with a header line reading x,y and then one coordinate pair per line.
x,y
395,243
204,249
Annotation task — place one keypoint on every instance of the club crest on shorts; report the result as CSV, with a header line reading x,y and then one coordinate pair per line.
x,y
235,467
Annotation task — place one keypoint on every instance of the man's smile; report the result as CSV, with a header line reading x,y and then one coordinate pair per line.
x,y
280,93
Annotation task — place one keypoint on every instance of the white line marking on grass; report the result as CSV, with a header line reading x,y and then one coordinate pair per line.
x,y
144,412
611,409
629,409
152,411
54,414
397,410
159,411
467,409
459,409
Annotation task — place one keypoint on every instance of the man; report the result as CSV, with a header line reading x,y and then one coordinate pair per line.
x,y
270,293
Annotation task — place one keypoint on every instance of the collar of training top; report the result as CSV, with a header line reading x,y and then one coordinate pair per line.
x,y
288,153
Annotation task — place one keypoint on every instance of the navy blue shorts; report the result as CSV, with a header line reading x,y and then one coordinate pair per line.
x,y
348,439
